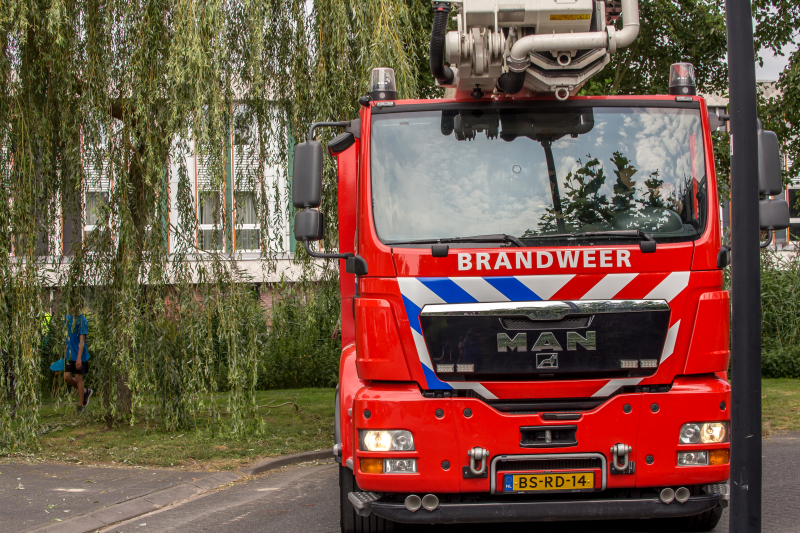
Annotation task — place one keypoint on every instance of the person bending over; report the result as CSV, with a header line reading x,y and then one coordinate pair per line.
x,y
76,361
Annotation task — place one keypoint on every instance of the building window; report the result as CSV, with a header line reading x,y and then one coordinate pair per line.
x,y
793,197
209,237
794,232
242,127
246,179
248,234
95,200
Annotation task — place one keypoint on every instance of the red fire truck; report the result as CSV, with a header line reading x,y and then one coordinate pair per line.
x,y
533,316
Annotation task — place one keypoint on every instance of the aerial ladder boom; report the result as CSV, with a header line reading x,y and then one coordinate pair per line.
x,y
535,46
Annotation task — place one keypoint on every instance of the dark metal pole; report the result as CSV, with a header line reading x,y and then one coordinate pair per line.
x,y
746,291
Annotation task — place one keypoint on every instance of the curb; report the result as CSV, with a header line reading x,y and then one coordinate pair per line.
x,y
138,506
132,508
278,462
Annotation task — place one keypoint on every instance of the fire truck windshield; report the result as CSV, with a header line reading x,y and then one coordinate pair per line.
x,y
532,172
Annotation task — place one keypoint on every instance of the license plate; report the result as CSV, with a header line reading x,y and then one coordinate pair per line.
x,y
562,481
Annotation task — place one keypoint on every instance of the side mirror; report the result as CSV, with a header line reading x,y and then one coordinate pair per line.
x,y
717,121
770,180
309,225
309,222
307,176
773,214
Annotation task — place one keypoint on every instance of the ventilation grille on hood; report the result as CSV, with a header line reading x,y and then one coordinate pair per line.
x,y
518,323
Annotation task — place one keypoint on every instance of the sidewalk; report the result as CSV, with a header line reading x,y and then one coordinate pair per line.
x,y
77,499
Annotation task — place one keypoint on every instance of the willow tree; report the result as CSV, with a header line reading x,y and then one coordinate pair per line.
x,y
777,25
124,91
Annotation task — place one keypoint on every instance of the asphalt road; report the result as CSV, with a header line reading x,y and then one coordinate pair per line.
x,y
32,496
304,499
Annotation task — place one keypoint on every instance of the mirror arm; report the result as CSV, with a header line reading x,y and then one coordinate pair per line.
x,y
347,255
316,125
355,264
770,235
723,257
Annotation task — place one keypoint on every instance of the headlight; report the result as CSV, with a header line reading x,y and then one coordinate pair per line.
x,y
370,465
693,458
690,433
704,433
713,432
400,466
386,440
704,457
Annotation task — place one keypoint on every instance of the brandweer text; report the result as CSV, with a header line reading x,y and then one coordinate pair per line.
x,y
564,259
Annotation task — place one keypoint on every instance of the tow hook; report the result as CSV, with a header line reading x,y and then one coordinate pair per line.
x,y
477,456
620,463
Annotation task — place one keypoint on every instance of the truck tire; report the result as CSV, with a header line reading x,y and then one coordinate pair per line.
x,y
701,522
350,521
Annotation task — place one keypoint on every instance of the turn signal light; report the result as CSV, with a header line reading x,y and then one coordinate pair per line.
x,y
372,466
719,457
388,466
704,457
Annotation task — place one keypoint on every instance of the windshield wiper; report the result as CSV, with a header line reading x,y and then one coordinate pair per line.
x,y
647,246
498,237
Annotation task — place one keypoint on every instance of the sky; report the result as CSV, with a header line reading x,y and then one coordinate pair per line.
x,y
773,65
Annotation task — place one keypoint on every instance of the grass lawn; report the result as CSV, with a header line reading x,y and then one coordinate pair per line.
x,y
79,440
780,405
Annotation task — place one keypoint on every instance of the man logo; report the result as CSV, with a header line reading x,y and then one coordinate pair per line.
x,y
546,341
546,360
506,343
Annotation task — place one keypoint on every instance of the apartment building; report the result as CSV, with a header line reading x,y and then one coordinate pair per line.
x,y
248,181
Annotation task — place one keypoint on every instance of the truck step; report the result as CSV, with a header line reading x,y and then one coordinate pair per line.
x,y
362,500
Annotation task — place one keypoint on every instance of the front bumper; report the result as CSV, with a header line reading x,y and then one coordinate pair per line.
x,y
446,429
546,511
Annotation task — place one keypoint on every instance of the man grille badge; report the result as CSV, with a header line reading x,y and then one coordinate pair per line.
x,y
546,360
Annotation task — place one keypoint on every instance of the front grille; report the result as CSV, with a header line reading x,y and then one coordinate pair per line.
x,y
522,323
538,406
548,436
507,465
608,339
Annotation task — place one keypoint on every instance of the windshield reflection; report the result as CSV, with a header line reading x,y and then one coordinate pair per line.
x,y
525,174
